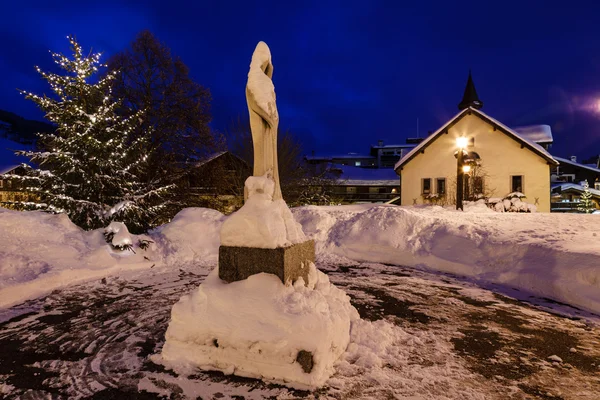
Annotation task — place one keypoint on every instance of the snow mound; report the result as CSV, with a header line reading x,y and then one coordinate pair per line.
x,y
192,237
261,222
42,252
120,234
256,328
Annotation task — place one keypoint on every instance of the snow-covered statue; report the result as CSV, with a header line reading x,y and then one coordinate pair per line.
x,y
265,311
264,119
265,221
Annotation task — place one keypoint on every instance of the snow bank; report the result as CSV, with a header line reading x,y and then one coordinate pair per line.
x,y
256,328
192,237
261,222
548,255
42,252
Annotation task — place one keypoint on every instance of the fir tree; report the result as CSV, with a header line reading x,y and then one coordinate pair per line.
x,y
92,168
586,204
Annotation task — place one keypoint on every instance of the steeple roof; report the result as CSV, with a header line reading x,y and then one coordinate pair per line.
x,y
470,98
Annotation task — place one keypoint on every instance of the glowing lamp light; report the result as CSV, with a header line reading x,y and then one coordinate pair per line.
x,y
466,168
462,142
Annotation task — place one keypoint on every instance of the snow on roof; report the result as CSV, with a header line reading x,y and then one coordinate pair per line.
x,y
210,158
6,169
533,146
342,156
535,133
367,176
576,187
8,159
567,161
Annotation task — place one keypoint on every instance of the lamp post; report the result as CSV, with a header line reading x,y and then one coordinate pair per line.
x,y
461,143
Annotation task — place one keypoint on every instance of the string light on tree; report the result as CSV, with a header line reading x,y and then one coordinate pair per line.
x,y
92,163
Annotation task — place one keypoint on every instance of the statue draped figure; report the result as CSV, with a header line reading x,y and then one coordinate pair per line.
x,y
264,119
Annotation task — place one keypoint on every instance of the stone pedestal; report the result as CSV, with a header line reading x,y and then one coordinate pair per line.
x,y
288,263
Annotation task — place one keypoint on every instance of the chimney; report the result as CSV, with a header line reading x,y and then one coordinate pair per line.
x,y
574,158
380,143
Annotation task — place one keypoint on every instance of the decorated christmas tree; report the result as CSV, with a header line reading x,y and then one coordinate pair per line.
x,y
586,204
91,168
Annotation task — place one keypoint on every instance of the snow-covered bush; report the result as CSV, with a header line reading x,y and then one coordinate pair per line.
x,y
117,235
512,202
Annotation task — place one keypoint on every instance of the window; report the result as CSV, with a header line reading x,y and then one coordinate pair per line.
x,y
351,189
426,185
516,183
357,163
1,183
441,185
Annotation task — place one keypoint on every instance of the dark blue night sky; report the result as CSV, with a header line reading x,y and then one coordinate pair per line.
x,y
351,72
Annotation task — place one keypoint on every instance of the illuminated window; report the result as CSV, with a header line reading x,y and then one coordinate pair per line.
x,y
357,163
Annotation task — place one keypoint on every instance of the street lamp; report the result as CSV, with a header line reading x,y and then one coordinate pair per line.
x,y
461,143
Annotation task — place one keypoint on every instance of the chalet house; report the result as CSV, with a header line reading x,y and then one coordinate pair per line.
x,y
217,181
567,184
506,162
11,191
566,197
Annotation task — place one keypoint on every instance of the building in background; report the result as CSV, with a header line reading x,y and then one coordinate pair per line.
x,y
506,162
567,184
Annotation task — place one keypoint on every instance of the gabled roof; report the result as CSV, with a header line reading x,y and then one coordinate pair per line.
x,y
585,166
5,169
575,187
536,148
535,133
209,158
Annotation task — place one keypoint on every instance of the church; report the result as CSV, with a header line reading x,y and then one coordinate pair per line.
x,y
497,160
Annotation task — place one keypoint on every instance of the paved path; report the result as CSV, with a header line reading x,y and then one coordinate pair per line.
x,y
453,341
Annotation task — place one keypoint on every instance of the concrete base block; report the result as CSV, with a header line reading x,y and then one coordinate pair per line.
x,y
288,263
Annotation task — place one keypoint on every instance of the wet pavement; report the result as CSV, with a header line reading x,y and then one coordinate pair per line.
x,y
93,341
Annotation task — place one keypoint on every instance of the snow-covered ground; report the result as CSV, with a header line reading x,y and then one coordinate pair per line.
x,y
555,256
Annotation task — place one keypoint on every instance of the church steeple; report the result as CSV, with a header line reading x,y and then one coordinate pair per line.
x,y
470,98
